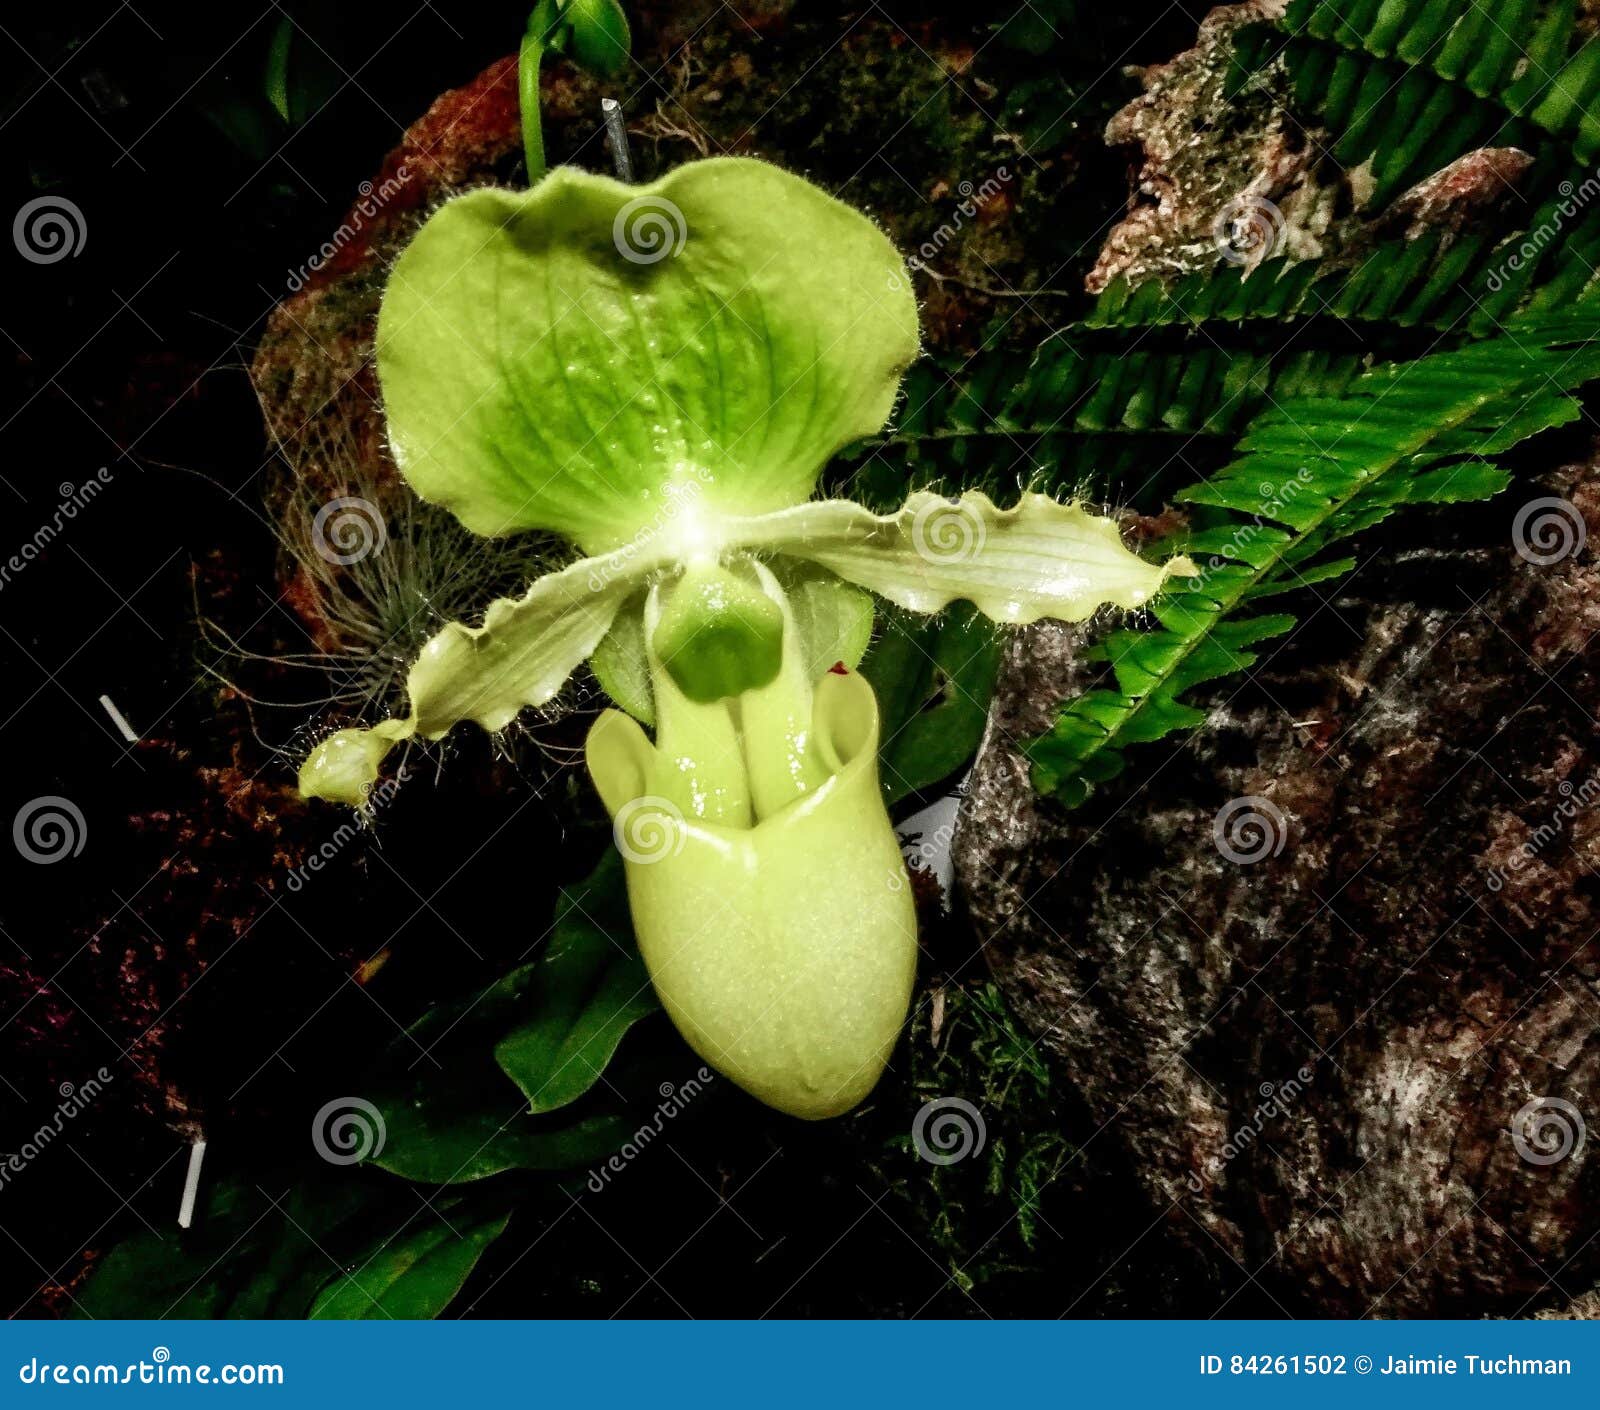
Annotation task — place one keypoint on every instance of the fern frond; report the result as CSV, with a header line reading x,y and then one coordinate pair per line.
x,y
1402,121
1078,419
1468,283
1530,56
1068,384
1003,464
1312,472
1075,416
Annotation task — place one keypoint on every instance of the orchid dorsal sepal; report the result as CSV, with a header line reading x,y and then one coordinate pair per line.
x,y
609,362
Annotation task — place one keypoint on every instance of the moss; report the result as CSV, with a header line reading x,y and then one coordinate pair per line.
x,y
822,103
988,1213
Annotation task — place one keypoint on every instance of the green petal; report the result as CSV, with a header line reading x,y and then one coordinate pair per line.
x,y
588,357
1038,559
345,765
520,656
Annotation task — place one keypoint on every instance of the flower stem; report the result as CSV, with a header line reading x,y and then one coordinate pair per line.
x,y
529,56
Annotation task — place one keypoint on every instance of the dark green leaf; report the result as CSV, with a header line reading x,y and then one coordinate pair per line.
x,y
416,1274
264,1249
933,678
472,1089
276,79
451,1115
589,987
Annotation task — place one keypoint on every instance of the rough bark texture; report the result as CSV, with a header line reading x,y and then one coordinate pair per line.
x,y
1320,1063
1241,174
1210,161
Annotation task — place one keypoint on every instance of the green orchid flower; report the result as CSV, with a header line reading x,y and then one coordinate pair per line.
x,y
659,375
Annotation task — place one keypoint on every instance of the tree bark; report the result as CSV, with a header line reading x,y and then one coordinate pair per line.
x,y
1344,1031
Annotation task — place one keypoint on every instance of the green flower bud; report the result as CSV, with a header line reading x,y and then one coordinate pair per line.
x,y
597,35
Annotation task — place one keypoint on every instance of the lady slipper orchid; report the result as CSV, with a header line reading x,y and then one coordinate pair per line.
x,y
659,374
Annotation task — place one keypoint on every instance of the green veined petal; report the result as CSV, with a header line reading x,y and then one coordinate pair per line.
x,y
520,656
1037,559
583,356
